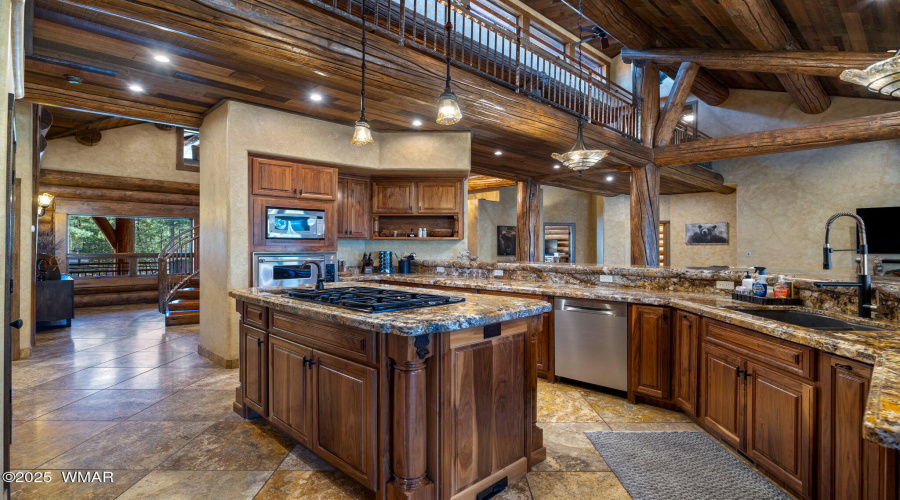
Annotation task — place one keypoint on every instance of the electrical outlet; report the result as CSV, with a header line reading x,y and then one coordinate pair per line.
x,y
498,272
439,270
725,285
605,278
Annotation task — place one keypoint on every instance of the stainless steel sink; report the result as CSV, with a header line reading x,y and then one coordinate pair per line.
x,y
809,320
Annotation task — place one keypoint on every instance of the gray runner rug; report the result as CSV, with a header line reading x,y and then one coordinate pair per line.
x,y
679,465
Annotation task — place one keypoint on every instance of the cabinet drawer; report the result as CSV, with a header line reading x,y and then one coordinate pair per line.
x,y
787,356
344,341
255,315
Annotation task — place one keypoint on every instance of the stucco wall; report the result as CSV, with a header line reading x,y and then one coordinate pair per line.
x,y
25,273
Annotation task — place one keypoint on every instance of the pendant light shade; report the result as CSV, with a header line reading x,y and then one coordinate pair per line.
x,y
882,77
579,158
448,108
362,132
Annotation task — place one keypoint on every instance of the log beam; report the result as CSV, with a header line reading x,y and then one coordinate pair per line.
x,y
646,85
763,26
823,135
108,231
805,62
64,178
645,216
528,217
86,193
675,103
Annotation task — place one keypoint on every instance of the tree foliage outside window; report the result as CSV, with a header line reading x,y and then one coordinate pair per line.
x,y
85,236
150,234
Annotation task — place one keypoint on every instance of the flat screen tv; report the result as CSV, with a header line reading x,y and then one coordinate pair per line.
x,y
882,228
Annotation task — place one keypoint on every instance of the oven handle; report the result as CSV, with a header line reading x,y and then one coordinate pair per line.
x,y
605,312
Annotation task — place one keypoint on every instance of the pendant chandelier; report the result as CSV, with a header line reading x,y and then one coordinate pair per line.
x,y
882,77
448,104
362,133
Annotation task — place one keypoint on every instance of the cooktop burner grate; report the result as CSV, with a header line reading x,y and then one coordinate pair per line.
x,y
372,300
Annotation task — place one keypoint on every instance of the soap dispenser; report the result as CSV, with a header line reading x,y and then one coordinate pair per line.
x,y
747,283
760,286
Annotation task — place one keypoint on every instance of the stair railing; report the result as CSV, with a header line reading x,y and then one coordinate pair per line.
x,y
179,263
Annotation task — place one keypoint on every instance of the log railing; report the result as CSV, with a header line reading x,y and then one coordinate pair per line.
x,y
109,265
178,264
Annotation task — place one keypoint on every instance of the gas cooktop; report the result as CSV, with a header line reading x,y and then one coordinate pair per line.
x,y
371,299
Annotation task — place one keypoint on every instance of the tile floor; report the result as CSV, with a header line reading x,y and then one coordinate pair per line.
x,y
120,392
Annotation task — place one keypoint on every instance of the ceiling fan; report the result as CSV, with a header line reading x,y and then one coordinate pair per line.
x,y
596,32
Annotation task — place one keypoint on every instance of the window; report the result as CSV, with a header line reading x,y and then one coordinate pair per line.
x,y
548,41
152,233
85,235
496,14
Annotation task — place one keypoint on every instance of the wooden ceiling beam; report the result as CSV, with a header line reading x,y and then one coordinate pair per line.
x,y
806,62
823,135
761,24
674,107
478,182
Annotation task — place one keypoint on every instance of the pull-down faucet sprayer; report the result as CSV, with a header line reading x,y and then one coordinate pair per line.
x,y
864,280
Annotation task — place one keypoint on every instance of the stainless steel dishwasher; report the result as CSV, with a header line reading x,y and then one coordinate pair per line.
x,y
591,341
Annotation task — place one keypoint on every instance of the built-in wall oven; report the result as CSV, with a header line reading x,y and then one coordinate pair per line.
x,y
295,224
288,269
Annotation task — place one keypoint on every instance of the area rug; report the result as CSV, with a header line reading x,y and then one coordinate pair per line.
x,y
678,465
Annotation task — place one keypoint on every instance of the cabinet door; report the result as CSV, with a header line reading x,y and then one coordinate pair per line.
x,y
649,345
343,209
253,369
273,178
393,197
438,197
358,208
780,416
345,419
544,343
686,368
316,183
289,402
722,394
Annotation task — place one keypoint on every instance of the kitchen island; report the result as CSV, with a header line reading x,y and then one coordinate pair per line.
x,y
436,402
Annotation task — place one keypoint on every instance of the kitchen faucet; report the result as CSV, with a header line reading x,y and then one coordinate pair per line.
x,y
864,280
320,272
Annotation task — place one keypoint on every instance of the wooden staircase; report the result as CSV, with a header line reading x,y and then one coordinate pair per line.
x,y
179,278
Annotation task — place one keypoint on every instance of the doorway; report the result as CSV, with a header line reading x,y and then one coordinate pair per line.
x,y
559,242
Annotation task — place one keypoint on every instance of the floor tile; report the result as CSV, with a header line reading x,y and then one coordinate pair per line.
x,y
38,441
57,488
190,405
224,379
164,378
301,458
616,409
233,446
129,445
519,490
193,360
91,378
143,359
543,386
569,450
654,426
176,485
309,485
581,485
29,404
108,405
565,406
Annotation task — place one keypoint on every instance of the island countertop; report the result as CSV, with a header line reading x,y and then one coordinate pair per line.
x,y
477,310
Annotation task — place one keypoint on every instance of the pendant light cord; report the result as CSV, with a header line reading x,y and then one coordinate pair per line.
x,y
362,92
449,27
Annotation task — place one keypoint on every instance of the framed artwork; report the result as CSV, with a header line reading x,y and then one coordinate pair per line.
x,y
708,233
506,240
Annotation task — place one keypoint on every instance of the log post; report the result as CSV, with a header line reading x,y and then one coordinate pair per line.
x,y
646,83
645,216
409,436
528,219
675,103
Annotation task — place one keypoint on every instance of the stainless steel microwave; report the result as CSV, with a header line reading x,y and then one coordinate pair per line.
x,y
295,224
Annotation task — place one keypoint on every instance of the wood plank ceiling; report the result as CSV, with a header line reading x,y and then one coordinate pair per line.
x,y
829,25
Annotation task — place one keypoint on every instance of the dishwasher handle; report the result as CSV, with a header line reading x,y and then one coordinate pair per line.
x,y
591,310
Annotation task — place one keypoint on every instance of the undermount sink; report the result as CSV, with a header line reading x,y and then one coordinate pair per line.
x,y
809,320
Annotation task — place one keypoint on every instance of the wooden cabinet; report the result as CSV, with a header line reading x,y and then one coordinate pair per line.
x,y
345,427
544,348
393,197
722,394
438,197
353,207
650,352
289,385
287,179
254,364
850,467
686,362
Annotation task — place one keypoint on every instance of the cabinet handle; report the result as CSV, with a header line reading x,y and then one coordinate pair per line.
x,y
301,192
295,191
740,373
846,367
259,342
310,363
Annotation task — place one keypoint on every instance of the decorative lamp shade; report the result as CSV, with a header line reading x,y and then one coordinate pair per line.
x,y
580,160
882,77
448,108
362,134
44,200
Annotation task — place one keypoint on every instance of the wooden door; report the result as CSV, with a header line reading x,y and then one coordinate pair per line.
x,y
438,197
358,204
290,407
393,197
722,394
343,211
686,361
316,183
253,369
649,346
780,426
544,345
273,178
345,415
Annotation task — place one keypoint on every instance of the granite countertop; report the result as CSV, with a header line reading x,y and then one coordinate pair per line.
x,y
477,310
878,348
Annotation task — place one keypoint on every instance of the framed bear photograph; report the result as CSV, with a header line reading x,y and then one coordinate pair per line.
x,y
506,240
708,233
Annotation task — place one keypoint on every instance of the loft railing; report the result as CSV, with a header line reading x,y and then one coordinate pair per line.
x,y
501,55
109,265
178,263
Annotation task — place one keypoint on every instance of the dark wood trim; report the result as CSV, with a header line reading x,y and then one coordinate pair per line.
x,y
180,162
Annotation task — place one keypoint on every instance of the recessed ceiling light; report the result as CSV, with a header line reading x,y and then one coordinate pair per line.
x,y
319,73
555,166
74,79
417,123
314,97
498,153
609,178
135,88
892,50
688,117
161,58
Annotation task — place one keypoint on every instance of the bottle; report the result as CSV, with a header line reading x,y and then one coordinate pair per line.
x,y
412,234
747,284
424,232
760,286
878,270
780,290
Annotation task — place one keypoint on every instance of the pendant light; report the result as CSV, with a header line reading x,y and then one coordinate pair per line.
x,y
448,104
579,158
882,77
362,132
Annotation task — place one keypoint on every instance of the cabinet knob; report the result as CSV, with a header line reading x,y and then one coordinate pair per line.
x,y
301,192
295,191
17,323
845,367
